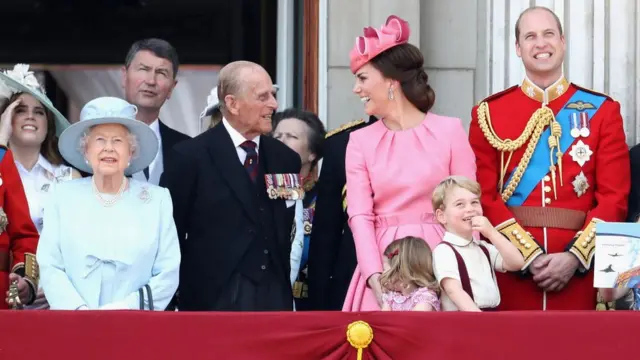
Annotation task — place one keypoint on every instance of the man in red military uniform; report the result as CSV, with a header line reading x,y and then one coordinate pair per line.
x,y
552,162
18,234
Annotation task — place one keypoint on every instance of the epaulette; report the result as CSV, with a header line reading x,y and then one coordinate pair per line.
x,y
498,94
593,92
344,127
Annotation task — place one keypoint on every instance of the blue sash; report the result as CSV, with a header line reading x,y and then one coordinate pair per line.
x,y
539,164
2,152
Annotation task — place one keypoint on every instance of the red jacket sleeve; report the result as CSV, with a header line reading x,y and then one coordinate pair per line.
x,y
22,234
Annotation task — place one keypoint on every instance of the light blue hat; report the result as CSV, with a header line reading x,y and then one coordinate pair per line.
x,y
109,110
21,80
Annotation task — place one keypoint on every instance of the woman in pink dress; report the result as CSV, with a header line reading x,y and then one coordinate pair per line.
x,y
394,165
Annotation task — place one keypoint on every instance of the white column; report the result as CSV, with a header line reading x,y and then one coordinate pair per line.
x,y
285,53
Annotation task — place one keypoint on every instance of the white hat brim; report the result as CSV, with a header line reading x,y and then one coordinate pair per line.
x,y
61,122
148,143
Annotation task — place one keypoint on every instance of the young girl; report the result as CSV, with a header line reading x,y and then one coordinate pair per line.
x,y
408,278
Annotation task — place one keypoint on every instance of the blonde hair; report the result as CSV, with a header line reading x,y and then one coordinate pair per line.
x,y
452,182
410,261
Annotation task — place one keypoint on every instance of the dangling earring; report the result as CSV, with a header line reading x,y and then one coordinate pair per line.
x,y
129,164
391,97
86,161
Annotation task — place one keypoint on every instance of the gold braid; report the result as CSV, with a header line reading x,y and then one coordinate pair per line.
x,y
535,126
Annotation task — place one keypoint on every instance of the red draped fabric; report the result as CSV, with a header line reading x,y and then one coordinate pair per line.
x,y
317,335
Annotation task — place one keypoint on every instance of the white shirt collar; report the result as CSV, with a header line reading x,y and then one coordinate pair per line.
x,y
456,240
155,126
42,163
236,137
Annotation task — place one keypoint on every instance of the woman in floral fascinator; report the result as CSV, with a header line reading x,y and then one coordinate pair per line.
x,y
394,164
30,122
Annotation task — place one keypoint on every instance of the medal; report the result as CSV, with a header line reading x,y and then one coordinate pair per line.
x,y
575,132
584,125
271,190
580,184
284,186
580,153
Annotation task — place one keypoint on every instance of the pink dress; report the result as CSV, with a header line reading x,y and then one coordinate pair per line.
x,y
399,302
391,176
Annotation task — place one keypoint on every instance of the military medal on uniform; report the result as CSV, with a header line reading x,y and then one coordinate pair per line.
x,y
284,186
580,125
580,153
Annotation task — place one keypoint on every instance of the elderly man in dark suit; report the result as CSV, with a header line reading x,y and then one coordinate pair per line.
x,y
233,210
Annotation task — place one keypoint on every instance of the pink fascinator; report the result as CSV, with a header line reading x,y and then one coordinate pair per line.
x,y
394,32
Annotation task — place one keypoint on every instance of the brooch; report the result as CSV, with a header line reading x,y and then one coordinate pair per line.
x,y
145,196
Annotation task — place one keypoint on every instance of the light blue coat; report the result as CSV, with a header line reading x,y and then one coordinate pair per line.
x,y
97,257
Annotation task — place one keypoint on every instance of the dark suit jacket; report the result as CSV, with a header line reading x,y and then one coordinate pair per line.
x,y
634,195
170,138
332,253
215,212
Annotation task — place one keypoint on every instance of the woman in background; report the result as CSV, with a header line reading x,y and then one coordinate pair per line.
x,y
304,133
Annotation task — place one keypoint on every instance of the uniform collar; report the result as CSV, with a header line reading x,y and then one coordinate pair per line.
x,y
547,95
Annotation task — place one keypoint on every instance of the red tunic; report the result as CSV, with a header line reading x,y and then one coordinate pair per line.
x,y
606,172
18,234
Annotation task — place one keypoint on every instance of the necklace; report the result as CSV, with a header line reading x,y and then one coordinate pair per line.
x,y
108,202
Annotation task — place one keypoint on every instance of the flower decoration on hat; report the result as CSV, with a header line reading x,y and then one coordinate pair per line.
x,y
374,41
22,75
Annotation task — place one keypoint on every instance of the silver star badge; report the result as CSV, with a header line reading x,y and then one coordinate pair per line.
x,y
559,89
580,184
580,153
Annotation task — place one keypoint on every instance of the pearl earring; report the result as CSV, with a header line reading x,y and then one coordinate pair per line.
x,y
391,97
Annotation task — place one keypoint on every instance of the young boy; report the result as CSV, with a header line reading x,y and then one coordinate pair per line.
x,y
464,266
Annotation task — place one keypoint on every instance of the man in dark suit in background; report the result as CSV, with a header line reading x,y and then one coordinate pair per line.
x,y
234,227
332,253
148,78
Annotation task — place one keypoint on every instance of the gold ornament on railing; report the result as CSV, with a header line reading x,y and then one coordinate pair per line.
x,y
359,335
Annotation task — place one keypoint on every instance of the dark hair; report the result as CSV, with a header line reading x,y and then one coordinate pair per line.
x,y
557,19
49,147
316,133
404,63
160,48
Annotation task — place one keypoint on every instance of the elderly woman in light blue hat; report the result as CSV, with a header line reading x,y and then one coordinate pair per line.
x,y
108,241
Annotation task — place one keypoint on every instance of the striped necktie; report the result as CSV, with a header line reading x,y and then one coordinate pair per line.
x,y
251,161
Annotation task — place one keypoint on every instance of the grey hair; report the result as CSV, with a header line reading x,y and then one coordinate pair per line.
x,y
133,142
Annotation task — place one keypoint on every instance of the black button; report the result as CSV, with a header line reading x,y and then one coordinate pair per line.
x,y
266,251
263,267
261,209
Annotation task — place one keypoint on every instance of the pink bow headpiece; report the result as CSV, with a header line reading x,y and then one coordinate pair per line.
x,y
394,32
